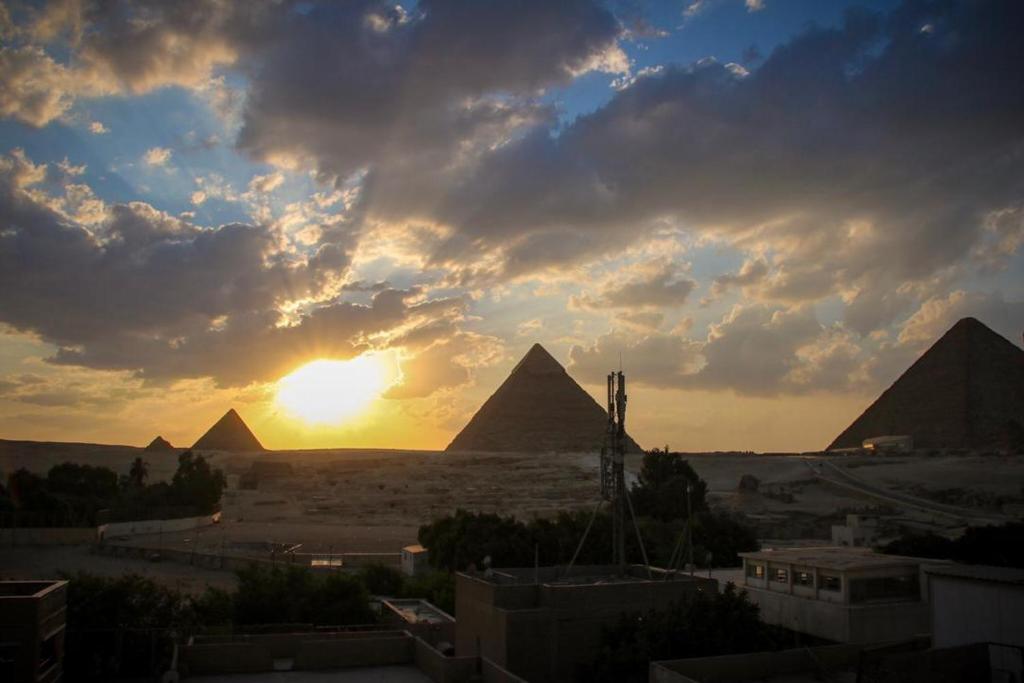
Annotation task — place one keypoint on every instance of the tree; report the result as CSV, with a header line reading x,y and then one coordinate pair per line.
x,y
138,473
196,484
998,546
661,489
382,580
703,625
280,595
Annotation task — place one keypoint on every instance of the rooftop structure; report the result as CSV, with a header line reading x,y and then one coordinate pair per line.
x,y
415,559
838,593
422,619
32,624
540,623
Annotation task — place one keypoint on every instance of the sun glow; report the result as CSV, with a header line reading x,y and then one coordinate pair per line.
x,y
331,391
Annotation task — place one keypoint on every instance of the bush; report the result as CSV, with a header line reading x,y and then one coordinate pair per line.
x,y
382,580
280,595
998,546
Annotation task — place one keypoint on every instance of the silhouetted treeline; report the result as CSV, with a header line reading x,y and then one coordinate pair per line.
x,y
998,546
659,500
73,495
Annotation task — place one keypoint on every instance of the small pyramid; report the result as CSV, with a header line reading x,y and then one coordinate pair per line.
x,y
160,444
539,407
230,433
966,391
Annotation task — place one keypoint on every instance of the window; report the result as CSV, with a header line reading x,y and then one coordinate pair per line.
x,y
884,588
827,582
755,570
804,579
781,575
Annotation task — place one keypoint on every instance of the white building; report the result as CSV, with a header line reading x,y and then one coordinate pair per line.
x,y
414,559
844,594
975,604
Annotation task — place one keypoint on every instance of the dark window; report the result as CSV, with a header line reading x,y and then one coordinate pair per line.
x,y
804,579
884,588
781,575
755,570
828,582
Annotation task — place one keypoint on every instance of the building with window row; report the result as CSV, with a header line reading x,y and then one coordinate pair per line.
x,y
843,594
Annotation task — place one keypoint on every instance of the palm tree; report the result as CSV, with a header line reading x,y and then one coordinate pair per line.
x,y
138,473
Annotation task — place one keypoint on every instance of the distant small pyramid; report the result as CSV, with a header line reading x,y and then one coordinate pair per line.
x,y
966,391
538,408
160,444
230,433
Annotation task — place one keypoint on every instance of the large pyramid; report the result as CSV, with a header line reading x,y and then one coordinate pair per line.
x,y
966,391
229,434
538,408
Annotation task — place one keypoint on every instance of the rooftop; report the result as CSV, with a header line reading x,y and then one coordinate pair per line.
x,y
579,575
414,548
416,611
978,572
834,557
28,589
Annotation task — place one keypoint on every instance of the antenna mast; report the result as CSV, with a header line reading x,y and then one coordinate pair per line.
x,y
613,479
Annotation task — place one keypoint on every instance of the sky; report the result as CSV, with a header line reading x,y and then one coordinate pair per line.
x,y
765,210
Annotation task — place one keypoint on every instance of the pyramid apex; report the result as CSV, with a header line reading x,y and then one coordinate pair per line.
x,y
229,433
537,359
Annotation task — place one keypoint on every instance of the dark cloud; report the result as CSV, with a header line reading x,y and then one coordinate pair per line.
x,y
864,156
361,85
660,283
146,292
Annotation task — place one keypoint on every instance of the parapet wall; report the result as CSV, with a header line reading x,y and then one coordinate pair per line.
x,y
154,526
10,537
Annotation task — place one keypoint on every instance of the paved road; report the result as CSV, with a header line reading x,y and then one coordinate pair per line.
x,y
840,477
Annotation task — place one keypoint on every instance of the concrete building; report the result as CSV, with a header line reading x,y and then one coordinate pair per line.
x,y
847,595
902,662
858,532
540,623
32,622
975,604
415,559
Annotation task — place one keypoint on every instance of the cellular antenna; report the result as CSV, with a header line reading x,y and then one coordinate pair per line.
x,y
613,478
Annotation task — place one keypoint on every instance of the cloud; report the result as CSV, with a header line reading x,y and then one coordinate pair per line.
x,y
144,292
845,156
33,87
754,5
444,365
657,283
938,314
97,128
157,156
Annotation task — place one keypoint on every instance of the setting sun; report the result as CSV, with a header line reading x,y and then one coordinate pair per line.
x,y
329,391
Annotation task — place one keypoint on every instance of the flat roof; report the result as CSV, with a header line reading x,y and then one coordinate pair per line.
x,y
28,589
417,611
581,575
978,572
839,558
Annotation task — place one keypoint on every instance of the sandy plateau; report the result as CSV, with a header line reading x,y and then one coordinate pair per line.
x,y
374,501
